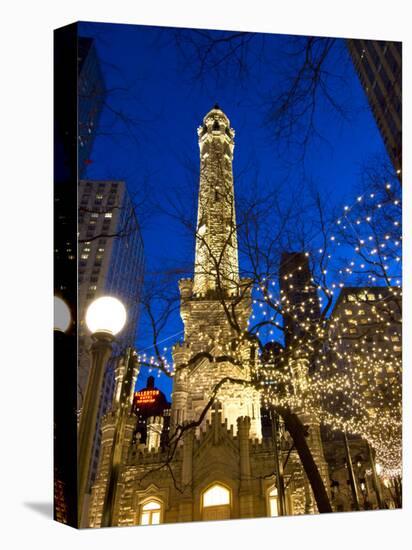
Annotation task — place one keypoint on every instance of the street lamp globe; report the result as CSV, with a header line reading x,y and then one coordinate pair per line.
x,y
106,314
62,316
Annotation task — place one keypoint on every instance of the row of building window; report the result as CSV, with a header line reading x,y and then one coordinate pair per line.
x,y
97,214
216,504
364,297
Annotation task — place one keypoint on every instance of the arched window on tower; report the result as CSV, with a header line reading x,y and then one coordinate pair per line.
x,y
216,502
151,512
273,502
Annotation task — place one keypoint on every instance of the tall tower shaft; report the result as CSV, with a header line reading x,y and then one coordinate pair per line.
x,y
200,360
216,259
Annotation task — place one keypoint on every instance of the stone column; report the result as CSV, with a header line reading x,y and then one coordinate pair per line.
x,y
99,487
245,494
186,501
154,432
181,353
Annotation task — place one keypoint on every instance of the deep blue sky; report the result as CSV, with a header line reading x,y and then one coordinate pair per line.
x,y
146,80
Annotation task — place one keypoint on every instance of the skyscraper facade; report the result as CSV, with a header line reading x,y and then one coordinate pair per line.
x,y
366,325
111,262
91,97
365,340
379,66
299,296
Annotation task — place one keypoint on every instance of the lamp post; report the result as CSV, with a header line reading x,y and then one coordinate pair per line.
x,y
62,315
105,317
349,466
278,463
375,467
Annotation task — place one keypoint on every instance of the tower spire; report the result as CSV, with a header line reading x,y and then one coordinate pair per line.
x,y
216,257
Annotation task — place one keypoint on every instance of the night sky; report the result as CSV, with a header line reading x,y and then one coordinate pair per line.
x,y
148,81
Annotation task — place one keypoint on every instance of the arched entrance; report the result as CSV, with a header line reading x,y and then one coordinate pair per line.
x,y
273,502
216,502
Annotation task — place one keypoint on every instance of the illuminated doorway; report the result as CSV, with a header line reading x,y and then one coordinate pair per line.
x,y
273,502
216,503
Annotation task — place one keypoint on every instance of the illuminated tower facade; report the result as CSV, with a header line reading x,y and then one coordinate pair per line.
x,y
216,260
215,286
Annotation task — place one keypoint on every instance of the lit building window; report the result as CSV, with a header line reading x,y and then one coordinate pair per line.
x,y
94,215
273,502
84,256
216,496
348,311
150,513
395,338
108,215
371,297
351,298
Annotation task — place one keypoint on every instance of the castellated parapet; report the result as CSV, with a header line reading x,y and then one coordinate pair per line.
x,y
216,453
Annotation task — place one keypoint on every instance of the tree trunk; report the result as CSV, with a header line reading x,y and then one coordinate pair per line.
x,y
296,429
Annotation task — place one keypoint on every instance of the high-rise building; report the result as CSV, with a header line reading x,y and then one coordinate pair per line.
x,y
365,334
299,298
70,157
91,97
379,66
366,323
360,309
148,403
302,332
110,263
